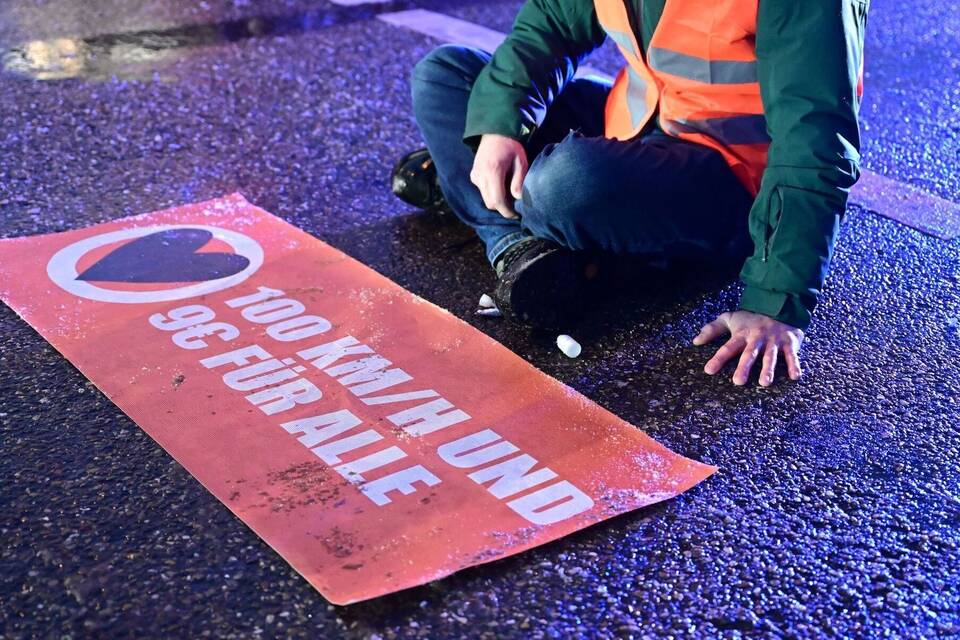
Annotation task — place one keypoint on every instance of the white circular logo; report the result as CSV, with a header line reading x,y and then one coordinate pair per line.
x,y
62,268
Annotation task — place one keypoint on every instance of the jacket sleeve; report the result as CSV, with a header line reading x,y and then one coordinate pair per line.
x,y
549,39
809,61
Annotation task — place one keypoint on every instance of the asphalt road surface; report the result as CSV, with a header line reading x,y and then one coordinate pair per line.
x,y
837,508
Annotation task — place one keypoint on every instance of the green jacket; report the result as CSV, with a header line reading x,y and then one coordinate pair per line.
x,y
808,61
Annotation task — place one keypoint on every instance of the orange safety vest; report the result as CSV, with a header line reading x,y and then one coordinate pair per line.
x,y
700,70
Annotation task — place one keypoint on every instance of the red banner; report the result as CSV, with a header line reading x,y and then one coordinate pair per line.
x,y
375,441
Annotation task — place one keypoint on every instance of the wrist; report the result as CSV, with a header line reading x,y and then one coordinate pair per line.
x,y
787,308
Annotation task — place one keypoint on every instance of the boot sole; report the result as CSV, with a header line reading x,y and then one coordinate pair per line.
x,y
549,292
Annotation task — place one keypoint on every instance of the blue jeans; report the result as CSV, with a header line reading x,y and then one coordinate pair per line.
x,y
652,195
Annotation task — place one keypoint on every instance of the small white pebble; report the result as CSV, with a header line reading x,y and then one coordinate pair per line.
x,y
569,346
490,313
486,302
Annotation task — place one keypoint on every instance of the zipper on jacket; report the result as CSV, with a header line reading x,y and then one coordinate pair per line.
x,y
772,212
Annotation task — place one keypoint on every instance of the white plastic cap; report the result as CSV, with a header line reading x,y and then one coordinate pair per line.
x,y
569,346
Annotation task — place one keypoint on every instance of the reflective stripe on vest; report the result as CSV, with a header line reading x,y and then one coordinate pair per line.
x,y
730,130
701,70
636,85
623,40
636,98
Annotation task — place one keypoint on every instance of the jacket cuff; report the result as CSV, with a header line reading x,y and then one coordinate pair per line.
x,y
520,132
784,307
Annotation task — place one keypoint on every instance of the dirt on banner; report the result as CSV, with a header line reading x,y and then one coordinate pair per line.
x,y
372,439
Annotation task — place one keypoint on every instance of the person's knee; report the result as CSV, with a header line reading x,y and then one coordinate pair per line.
x,y
450,65
559,192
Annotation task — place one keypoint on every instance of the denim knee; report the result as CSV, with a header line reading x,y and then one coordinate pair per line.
x,y
560,191
451,65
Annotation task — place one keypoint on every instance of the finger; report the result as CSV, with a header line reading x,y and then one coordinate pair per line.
x,y
731,348
519,173
710,332
503,206
747,358
769,364
507,212
792,358
495,198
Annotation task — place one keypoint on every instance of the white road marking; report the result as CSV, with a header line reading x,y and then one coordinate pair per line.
x,y
889,198
908,205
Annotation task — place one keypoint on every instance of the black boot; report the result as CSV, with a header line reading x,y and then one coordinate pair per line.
x,y
414,180
544,285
